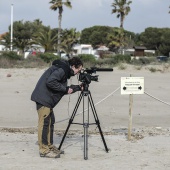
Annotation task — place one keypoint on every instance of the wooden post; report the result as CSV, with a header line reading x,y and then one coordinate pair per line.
x,y
130,115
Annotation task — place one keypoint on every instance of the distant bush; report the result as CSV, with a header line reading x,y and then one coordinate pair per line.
x,y
11,55
106,61
113,60
6,62
33,62
149,54
87,58
143,60
122,58
151,69
48,57
138,67
121,66
12,60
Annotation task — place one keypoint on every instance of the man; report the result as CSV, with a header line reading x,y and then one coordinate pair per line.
x,y
51,87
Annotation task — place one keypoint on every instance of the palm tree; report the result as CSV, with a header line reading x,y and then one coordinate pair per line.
x,y
58,4
117,40
68,39
122,8
45,39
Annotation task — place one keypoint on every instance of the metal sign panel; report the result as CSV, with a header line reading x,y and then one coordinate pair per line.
x,y
132,85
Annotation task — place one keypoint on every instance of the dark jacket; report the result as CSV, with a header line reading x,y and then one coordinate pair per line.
x,y
52,85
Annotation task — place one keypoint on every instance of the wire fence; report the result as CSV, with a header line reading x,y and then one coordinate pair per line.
x,y
110,96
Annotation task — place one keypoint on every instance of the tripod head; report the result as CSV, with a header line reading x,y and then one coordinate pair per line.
x,y
86,76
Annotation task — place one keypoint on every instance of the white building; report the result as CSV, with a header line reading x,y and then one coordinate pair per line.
x,y
2,48
83,49
88,49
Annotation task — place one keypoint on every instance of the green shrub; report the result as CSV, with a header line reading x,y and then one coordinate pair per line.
x,y
122,58
143,60
6,62
151,69
138,67
34,61
121,66
87,58
106,61
110,60
90,60
11,55
48,57
136,61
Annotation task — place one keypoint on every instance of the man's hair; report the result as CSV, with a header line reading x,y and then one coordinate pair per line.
x,y
75,61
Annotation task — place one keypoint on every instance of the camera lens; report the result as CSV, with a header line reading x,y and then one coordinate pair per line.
x,y
94,78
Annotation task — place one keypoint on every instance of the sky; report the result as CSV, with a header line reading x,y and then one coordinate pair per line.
x,y
87,13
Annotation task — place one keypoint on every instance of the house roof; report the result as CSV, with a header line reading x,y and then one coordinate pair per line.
x,y
78,46
140,48
103,48
1,35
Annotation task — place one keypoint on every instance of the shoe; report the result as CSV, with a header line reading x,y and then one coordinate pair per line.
x,y
50,155
56,150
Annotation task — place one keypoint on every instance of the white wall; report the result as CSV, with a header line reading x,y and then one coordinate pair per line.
x,y
2,47
83,49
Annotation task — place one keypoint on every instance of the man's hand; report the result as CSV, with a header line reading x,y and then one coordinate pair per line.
x,y
75,88
70,90
81,86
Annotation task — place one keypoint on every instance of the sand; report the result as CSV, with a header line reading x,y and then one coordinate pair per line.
x,y
149,147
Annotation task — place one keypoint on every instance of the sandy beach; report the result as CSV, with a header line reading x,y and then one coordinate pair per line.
x,y
149,148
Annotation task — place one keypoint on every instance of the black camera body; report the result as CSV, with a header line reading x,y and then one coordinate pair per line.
x,y
86,75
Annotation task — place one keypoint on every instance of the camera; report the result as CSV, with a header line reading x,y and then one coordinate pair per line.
x,y
86,75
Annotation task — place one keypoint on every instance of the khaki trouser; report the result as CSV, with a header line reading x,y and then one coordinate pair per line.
x,y
45,129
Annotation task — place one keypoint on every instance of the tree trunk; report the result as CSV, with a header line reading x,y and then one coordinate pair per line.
x,y
121,20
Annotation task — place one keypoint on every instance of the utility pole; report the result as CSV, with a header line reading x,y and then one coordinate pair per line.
x,y
11,27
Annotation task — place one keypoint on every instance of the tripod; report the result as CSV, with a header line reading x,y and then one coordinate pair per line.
x,y
85,93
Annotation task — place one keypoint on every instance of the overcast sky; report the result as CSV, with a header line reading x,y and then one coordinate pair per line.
x,y
87,13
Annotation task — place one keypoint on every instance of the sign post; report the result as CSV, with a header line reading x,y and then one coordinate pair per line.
x,y
131,85
130,116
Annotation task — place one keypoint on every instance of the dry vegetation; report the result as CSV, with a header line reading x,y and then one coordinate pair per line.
x,y
31,62
37,62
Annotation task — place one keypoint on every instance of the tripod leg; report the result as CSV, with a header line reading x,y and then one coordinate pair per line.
x,y
97,121
71,119
86,141
86,126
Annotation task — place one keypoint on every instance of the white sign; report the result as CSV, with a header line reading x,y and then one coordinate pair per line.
x,y
132,85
